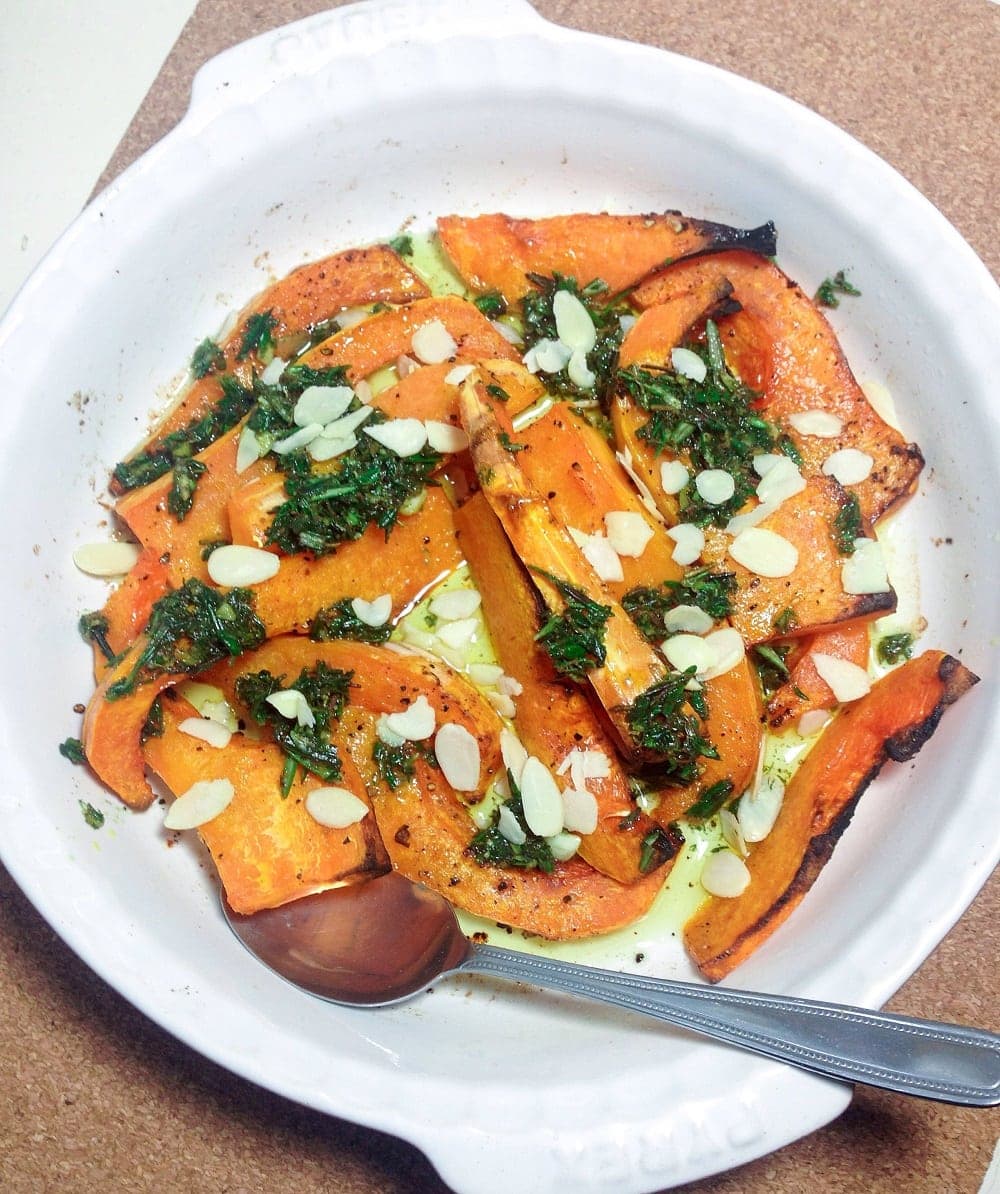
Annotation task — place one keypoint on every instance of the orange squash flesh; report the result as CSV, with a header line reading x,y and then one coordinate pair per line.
x,y
308,295
426,832
814,590
571,463
382,339
128,607
542,541
384,681
421,549
800,366
553,716
424,394
496,252
268,850
892,722
111,730
805,689
180,544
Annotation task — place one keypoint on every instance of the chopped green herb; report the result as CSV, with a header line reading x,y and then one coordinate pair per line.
x,y
489,847
94,628
829,288
492,304
403,245
659,846
184,480
340,621
658,723
189,629
498,392
785,621
257,336
894,648
574,638
396,764
711,422
540,324
147,466
772,670
847,525
708,590
325,691
72,749
710,800
508,444
152,727
207,358
210,545
93,816
370,485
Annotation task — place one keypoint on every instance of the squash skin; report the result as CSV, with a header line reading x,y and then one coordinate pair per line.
x,y
496,252
814,589
793,356
893,722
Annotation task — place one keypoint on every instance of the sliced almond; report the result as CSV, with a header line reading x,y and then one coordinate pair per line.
x,y
457,753
673,476
540,799
443,437
334,807
725,874
579,810
373,613
715,486
628,532
819,423
404,437
764,552
849,466
454,604
865,570
235,565
574,325
201,803
321,404
415,722
206,730
106,559
847,681
690,540
688,364
433,343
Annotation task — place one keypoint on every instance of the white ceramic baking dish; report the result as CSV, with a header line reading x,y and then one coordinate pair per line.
x,y
337,131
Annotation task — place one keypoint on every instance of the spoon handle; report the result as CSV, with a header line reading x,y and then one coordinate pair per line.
x,y
947,1062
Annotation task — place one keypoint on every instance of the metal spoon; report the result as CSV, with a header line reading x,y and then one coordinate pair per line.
x,y
380,942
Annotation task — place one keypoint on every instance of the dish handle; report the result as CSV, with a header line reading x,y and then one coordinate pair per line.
x,y
304,47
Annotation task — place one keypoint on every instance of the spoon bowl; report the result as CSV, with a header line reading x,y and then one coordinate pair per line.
x,y
380,942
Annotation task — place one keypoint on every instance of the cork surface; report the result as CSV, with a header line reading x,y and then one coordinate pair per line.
x,y
95,1097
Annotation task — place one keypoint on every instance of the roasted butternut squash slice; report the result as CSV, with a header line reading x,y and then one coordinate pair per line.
x,y
426,832
420,550
307,296
805,689
783,338
545,546
128,607
571,463
112,730
385,680
385,337
892,722
554,717
814,590
497,252
181,545
268,850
